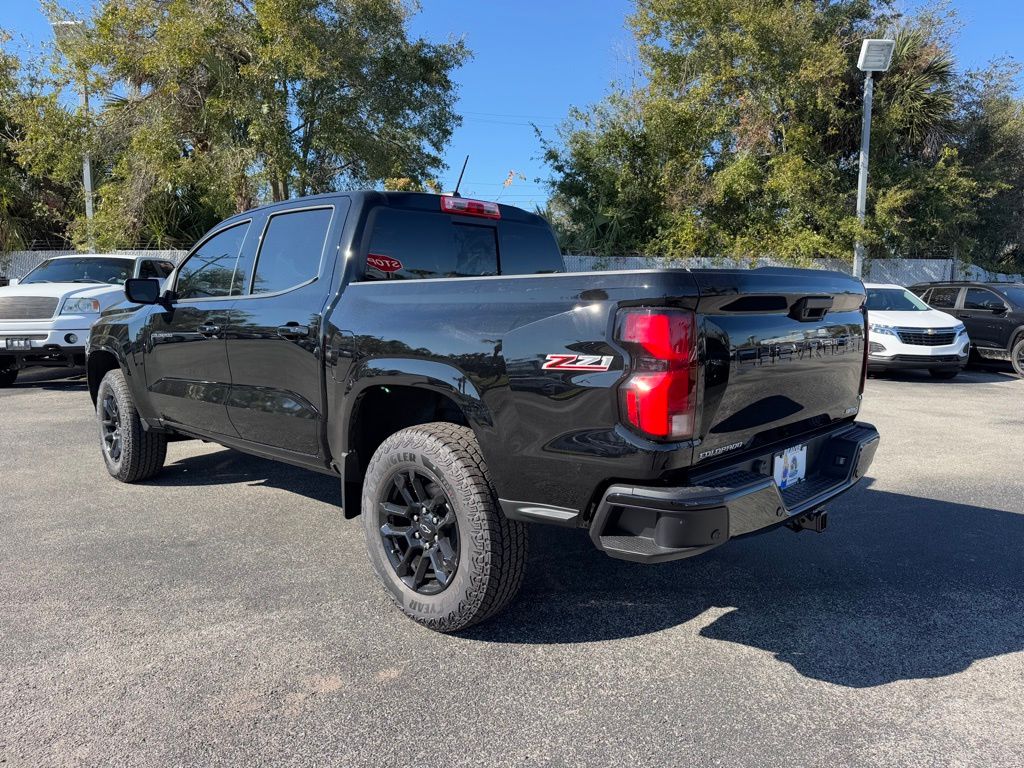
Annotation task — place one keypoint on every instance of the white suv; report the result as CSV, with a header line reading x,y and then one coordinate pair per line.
x,y
45,317
907,333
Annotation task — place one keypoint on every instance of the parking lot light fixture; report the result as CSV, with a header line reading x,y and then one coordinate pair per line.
x,y
875,56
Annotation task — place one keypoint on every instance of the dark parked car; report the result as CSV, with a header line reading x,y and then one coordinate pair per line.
x,y
432,354
992,312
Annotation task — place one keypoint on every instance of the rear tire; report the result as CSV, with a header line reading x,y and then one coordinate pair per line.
x,y
435,532
130,452
943,375
1017,357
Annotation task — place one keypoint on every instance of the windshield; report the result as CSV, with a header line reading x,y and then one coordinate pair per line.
x,y
894,300
84,270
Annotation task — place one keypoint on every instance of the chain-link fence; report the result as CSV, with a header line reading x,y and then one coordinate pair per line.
x,y
898,271
17,264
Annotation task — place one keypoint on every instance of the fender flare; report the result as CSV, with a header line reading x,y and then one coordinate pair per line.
x,y
428,375
133,376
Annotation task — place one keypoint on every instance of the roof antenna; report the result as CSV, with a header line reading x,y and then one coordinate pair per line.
x,y
459,182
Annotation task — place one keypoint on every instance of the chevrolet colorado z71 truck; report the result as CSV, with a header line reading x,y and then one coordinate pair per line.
x,y
432,354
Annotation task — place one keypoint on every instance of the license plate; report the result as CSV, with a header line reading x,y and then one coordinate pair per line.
x,y
790,466
19,343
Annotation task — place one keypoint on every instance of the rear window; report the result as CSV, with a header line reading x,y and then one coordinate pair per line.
x,y
529,249
408,244
943,297
416,244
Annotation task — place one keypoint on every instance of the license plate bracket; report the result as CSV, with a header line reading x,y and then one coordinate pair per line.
x,y
790,466
19,345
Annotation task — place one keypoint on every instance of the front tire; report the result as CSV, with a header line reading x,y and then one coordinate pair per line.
x,y
1017,357
436,536
8,376
943,375
130,452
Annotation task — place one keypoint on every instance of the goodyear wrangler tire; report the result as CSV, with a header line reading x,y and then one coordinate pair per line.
x,y
130,452
434,530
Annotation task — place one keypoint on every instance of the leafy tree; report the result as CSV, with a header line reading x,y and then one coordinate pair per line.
x,y
743,138
211,106
992,146
32,209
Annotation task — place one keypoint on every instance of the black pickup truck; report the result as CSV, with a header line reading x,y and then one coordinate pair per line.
x,y
431,353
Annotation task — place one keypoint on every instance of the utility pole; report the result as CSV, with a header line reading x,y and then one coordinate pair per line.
x,y
70,32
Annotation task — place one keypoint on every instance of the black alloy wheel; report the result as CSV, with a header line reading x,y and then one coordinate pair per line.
x,y
419,531
110,426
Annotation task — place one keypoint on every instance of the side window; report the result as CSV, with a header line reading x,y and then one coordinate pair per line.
x,y
979,298
528,249
292,246
207,271
407,245
157,269
943,297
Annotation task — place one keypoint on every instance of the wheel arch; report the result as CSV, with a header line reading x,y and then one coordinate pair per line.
x,y
1016,335
97,365
393,394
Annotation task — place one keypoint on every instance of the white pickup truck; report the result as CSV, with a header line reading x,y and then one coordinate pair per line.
x,y
45,316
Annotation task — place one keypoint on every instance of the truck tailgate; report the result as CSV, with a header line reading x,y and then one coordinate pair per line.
x,y
784,353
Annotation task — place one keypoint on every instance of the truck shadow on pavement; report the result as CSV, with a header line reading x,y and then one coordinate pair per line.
x,y
899,588
227,466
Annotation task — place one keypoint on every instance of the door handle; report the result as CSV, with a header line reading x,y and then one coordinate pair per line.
x,y
208,330
293,331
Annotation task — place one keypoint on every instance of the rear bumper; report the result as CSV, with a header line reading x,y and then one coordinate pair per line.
x,y
653,524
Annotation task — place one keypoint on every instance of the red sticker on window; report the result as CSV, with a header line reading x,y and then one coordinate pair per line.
x,y
383,263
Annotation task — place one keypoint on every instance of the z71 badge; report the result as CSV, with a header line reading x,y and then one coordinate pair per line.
x,y
577,363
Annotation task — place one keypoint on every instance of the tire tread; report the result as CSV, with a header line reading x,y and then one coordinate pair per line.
x,y
497,571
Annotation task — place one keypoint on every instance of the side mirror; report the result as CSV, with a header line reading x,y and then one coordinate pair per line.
x,y
13,281
143,290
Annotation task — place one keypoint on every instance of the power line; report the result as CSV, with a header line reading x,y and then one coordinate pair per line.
x,y
508,114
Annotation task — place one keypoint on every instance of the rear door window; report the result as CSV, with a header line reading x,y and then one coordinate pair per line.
x,y
292,247
157,269
979,298
408,245
943,297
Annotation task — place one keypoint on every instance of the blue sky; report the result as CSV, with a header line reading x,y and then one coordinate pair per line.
x,y
534,59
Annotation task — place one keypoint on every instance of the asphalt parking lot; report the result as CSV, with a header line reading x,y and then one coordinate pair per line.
x,y
225,614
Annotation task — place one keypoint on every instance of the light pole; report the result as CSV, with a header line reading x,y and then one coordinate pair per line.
x,y
66,33
875,56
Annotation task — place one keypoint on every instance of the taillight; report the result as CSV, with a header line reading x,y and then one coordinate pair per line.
x,y
466,207
659,396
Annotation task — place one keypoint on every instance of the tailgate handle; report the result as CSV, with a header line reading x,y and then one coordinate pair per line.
x,y
810,308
